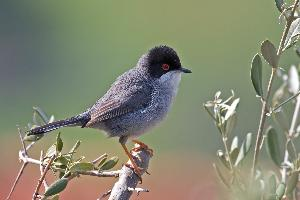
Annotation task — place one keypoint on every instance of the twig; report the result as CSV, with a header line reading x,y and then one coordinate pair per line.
x,y
127,178
100,174
104,195
42,171
290,135
22,157
138,190
36,192
99,158
16,180
265,102
284,102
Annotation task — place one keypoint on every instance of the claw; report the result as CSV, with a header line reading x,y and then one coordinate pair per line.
x,y
141,146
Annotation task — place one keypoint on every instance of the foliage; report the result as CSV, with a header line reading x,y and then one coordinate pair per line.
x,y
259,181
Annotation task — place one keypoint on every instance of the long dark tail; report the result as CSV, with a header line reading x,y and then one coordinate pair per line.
x,y
78,120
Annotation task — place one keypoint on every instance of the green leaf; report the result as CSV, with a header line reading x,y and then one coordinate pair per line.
x,y
59,143
110,163
56,187
33,138
273,147
269,53
101,162
234,154
51,151
280,190
256,75
247,143
293,34
61,162
292,182
279,5
42,114
81,167
272,184
75,147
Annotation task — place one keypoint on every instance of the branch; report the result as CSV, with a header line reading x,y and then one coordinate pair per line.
x,y
264,109
290,135
128,180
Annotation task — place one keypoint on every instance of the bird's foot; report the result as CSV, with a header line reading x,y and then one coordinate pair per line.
x,y
141,146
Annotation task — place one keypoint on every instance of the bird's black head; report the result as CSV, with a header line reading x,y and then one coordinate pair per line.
x,y
161,60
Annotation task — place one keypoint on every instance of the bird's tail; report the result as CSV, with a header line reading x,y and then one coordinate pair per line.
x,y
78,120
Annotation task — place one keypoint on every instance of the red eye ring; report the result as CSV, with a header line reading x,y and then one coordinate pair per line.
x,y
165,67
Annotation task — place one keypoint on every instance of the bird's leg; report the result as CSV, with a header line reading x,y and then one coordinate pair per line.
x,y
135,167
142,146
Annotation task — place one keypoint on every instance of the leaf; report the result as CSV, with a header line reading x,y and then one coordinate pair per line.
x,y
56,187
59,143
75,147
247,143
234,143
269,53
256,75
280,190
110,163
81,167
42,114
292,182
101,162
51,151
293,80
232,108
230,123
220,175
273,148
293,34
32,138
272,184
279,5
234,154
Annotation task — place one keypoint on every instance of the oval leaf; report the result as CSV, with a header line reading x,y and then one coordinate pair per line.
x,y
59,143
280,190
110,163
81,167
293,34
292,182
56,187
32,138
256,75
269,53
273,148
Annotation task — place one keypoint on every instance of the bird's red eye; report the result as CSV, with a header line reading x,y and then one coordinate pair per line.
x,y
165,67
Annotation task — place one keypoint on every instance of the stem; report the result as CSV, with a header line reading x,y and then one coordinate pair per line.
x,y
264,109
227,152
290,135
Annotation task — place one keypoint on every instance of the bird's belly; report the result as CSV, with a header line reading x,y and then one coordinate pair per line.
x,y
136,123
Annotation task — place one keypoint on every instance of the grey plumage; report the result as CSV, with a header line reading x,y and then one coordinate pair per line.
x,y
136,101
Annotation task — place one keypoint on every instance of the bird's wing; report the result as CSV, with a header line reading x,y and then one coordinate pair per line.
x,y
120,104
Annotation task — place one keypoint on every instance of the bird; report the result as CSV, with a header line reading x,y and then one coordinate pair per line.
x,y
138,100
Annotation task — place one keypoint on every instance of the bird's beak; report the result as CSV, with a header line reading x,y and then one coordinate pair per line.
x,y
184,70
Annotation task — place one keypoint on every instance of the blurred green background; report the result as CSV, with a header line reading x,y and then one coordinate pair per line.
x,y
63,56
